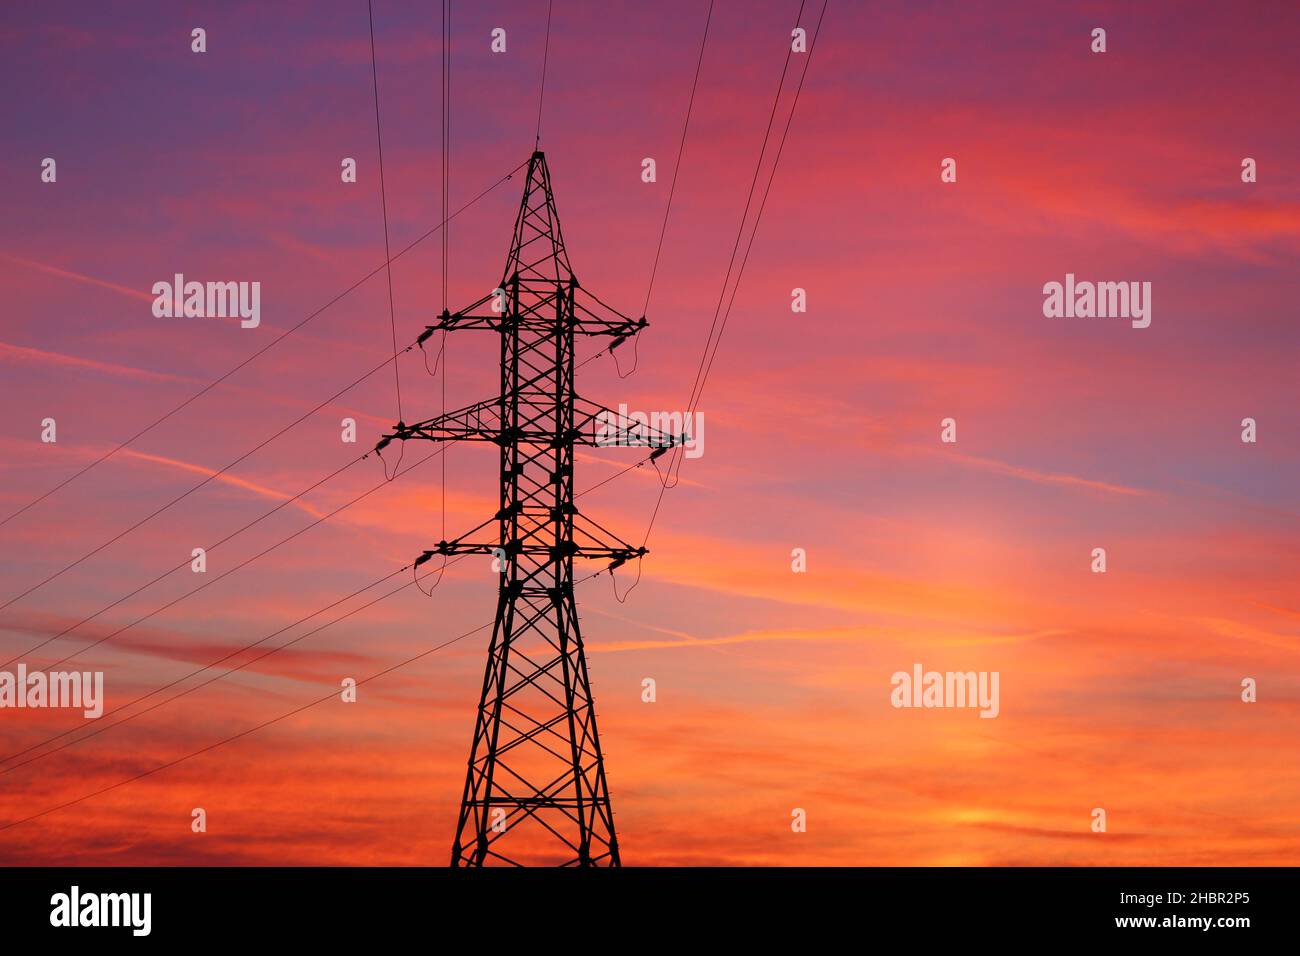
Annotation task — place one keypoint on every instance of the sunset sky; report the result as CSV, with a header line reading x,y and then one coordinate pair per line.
x,y
1118,690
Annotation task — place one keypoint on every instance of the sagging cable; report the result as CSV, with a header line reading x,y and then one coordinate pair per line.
x,y
422,559
384,443
636,348
614,583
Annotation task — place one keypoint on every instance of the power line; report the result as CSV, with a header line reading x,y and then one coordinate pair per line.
x,y
744,216
248,454
446,199
711,345
226,673
672,191
383,198
268,653
169,571
681,151
767,191
251,730
446,138
263,640
541,93
216,474
240,566
101,727
246,527
706,358
263,350
227,538
266,723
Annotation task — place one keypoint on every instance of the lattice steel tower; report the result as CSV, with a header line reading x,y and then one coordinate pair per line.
x,y
535,762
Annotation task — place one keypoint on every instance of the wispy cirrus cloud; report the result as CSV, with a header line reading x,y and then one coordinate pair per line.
x,y
77,277
224,478
25,354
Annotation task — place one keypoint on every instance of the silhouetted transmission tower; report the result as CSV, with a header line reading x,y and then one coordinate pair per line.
x,y
535,762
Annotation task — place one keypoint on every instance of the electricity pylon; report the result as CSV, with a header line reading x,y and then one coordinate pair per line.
x,y
535,762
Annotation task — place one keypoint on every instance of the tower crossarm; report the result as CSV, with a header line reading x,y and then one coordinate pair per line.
x,y
619,555
589,541
478,422
602,426
589,315
594,425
